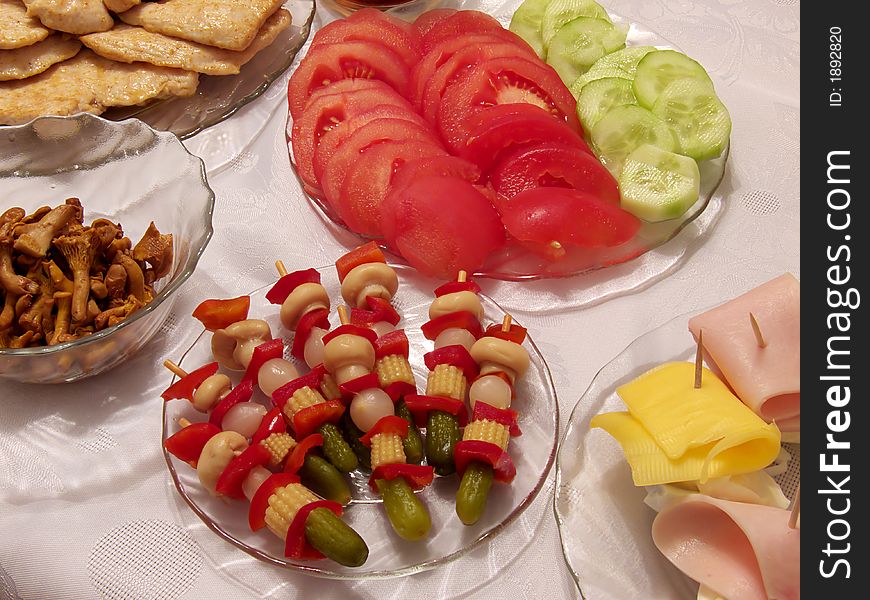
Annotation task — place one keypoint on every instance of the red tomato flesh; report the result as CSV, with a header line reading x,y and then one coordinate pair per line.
x,y
457,25
430,18
380,29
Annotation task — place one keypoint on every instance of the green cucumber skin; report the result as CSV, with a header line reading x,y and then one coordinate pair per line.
x,y
335,538
408,516
336,449
413,443
319,475
354,433
442,433
473,492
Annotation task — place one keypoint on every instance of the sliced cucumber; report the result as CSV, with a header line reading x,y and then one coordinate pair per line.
x,y
657,185
626,128
697,117
601,96
594,74
526,23
658,69
581,42
626,59
558,13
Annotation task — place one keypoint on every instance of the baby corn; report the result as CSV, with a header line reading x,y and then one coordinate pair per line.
x,y
487,431
394,368
279,446
302,398
446,381
284,504
387,449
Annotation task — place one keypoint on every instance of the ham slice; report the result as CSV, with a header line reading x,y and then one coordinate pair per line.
x,y
740,551
765,379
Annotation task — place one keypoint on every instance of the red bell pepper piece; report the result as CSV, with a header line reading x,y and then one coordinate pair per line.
x,y
388,424
456,356
505,416
297,456
383,310
420,406
461,320
308,321
394,342
517,334
260,501
311,379
217,314
273,422
230,481
187,443
184,387
307,420
457,286
367,253
240,393
467,451
289,282
417,476
400,389
362,317
355,386
365,332
262,353
296,545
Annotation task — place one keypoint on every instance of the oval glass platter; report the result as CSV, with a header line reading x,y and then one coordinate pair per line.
x,y
389,556
514,263
604,525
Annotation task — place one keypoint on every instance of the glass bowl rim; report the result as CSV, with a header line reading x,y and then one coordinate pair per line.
x,y
175,283
376,575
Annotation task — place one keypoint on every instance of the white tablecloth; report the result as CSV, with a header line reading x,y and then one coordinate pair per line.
x,y
86,505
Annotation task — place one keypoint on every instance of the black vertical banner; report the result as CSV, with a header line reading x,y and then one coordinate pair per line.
x,y
835,436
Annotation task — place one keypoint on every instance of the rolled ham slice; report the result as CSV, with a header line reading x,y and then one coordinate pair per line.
x,y
739,551
765,379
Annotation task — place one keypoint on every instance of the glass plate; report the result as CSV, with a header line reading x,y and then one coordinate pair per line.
x,y
514,263
218,98
389,556
603,523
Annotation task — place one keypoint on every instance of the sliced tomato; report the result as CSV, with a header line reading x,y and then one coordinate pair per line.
x,y
366,253
187,443
430,18
443,51
457,25
503,81
441,166
326,110
345,60
377,131
553,165
378,29
333,139
505,127
368,180
260,500
441,225
218,314
547,220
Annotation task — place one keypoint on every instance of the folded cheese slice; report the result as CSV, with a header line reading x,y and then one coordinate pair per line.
x,y
674,432
767,379
739,551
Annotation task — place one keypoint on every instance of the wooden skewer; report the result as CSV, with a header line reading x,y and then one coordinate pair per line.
x,y
506,323
795,509
282,270
462,277
174,368
183,422
342,315
757,331
699,360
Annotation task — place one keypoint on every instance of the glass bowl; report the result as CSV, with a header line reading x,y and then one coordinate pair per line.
x,y
603,522
218,98
389,556
125,172
513,262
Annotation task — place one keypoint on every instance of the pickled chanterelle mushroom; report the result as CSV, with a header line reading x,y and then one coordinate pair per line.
x,y
61,279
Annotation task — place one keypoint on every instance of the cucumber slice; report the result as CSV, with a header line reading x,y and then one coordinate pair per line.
x,y
626,128
526,23
626,59
560,12
601,96
581,42
697,117
658,69
657,185
594,74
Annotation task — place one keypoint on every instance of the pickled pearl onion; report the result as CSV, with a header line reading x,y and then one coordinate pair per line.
x,y
491,389
349,373
313,351
254,480
244,418
370,406
382,328
454,336
274,373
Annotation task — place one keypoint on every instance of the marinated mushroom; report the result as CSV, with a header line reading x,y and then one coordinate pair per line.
x,y
12,282
348,357
155,249
232,347
79,250
115,281
34,239
370,279
216,455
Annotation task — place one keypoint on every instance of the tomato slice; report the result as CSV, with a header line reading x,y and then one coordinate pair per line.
x,y
345,60
326,110
503,81
458,25
366,253
187,443
333,139
380,130
441,225
368,181
443,51
217,314
378,29
547,220
499,128
430,18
